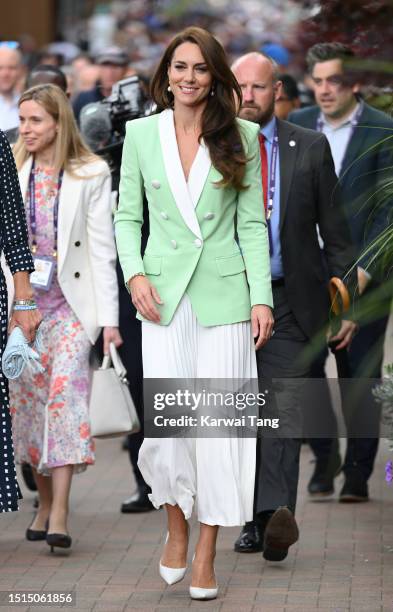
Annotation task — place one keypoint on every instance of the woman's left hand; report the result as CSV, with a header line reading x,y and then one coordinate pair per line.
x,y
111,334
262,322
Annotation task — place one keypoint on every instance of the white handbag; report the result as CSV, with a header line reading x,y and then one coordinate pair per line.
x,y
112,411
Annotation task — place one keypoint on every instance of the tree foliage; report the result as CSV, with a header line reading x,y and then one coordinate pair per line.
x,y
365,25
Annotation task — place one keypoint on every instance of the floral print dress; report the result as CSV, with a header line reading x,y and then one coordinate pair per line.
x,y
50,410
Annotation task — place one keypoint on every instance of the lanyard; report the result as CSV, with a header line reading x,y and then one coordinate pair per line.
x,y
354,121
273,173
273,170
271,180
32,211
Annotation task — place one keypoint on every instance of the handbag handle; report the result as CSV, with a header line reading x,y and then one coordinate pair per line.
x,y
114,358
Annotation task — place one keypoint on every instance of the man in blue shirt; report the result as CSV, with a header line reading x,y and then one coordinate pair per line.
x,y
299,183
360,139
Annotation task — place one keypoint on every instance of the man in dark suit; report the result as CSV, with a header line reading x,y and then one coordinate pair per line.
x,y
361,141
299,198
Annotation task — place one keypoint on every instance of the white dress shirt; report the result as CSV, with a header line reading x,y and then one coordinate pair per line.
x,y
338,137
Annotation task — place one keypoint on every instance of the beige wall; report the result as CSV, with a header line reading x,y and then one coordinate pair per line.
x,y
35,17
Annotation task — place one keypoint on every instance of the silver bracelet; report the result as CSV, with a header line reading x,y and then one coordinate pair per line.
x,y
30,302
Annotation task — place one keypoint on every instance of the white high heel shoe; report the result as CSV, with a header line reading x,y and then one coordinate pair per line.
x,y
201,593
171,575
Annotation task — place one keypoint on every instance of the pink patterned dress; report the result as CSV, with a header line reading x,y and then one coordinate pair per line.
x,y
50,410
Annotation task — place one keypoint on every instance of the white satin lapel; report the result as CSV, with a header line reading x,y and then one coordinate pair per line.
x,y
198,173
68,204
174,171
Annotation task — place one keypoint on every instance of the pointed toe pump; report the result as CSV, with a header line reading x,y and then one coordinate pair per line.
x,y
35,535
202,593
58,540
171,575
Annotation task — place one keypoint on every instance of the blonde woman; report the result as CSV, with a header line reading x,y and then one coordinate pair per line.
x,y
67,197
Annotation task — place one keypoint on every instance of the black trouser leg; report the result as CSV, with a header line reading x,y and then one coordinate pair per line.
x,y
366,357
278,458
323,448
131,355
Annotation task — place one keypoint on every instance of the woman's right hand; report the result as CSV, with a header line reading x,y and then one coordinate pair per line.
x,y
28,320
144,296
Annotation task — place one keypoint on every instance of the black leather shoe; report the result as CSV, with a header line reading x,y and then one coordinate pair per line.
x,y
58,540
280,533
321,484
355,489
139,502
35,535
250,539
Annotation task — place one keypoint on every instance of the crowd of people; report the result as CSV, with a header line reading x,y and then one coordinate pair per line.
x,y
230,222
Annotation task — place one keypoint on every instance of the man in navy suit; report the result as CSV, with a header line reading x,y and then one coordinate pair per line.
x,y
361,141
299,185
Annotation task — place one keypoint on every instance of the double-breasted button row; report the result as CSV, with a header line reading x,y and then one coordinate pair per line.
x,y
197,243
208,216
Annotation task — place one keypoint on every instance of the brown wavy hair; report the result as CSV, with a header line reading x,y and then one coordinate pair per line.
x,y
220,130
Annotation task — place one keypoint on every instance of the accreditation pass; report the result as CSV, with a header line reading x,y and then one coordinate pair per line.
x,y
42,276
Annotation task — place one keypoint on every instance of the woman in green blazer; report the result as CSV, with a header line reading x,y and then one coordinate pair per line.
x,y
196,288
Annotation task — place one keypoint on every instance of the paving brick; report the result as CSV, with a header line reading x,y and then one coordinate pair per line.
x,y
342,563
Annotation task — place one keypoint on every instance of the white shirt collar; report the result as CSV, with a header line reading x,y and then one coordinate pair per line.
x,y
347,121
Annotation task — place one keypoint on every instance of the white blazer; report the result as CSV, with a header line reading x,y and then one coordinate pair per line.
x,y
86,248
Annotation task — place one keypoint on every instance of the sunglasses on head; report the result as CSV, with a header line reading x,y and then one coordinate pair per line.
x,y
11,44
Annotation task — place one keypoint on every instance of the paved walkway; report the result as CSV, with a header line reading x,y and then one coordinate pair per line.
x,y
343,561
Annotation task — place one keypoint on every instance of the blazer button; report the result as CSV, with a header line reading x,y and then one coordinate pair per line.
x,y
77,274
174,244
209,216
156,184
77,243
164,215
198,243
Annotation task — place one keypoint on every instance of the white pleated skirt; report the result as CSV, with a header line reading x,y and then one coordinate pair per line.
x,y
215,473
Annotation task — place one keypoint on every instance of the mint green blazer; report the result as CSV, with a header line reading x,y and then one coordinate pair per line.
x,y
191,247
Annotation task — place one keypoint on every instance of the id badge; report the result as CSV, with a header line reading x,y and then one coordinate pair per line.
x,y
41,278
